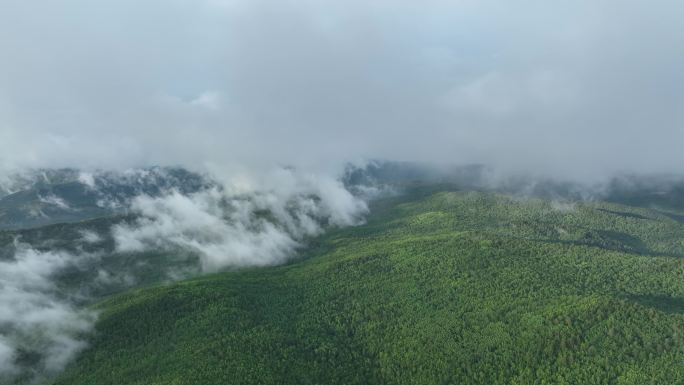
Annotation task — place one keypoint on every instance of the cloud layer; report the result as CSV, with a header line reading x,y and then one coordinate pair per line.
x,y
34,319
235,229
577,88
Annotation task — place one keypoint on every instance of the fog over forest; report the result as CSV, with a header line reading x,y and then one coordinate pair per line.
x,y
229,133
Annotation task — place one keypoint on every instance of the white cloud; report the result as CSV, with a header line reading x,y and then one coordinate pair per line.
x,y
90,236
571,87
249,228
33,317
210,100
87,179
54,200
499,95
7,357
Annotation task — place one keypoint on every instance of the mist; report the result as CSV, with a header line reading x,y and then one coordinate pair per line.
x,y
228,229
578,89
150,226
41,330
269,100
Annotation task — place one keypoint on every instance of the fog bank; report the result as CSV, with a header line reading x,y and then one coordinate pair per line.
x,y
580,89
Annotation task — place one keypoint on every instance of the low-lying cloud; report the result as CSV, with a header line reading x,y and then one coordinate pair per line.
x,y
168,225
41,330
234,227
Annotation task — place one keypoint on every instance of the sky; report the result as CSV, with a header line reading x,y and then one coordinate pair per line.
x,y
578,89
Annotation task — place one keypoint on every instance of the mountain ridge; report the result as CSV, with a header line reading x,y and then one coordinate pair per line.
x,y
450,287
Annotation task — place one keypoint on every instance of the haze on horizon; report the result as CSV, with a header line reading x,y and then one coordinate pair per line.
x,y
581,89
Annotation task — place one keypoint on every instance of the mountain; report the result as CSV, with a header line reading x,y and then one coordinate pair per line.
x,y
44,197
440,286
456,277
662,191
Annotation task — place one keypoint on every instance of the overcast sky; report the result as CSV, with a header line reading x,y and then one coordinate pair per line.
x,y
578,88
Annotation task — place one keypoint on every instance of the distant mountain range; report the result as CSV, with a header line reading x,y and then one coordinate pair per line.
x,y
65,249
48,196
43,197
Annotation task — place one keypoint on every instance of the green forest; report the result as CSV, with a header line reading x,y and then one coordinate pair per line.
x,y
438,287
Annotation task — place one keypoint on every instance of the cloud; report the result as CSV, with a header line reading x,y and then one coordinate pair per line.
x,y
572,88
199,225
7,357
252,225
54,200
209,100
501,96
35,318
87,179
89,236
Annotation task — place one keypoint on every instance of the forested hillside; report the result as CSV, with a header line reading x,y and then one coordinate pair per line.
x,y
443,287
